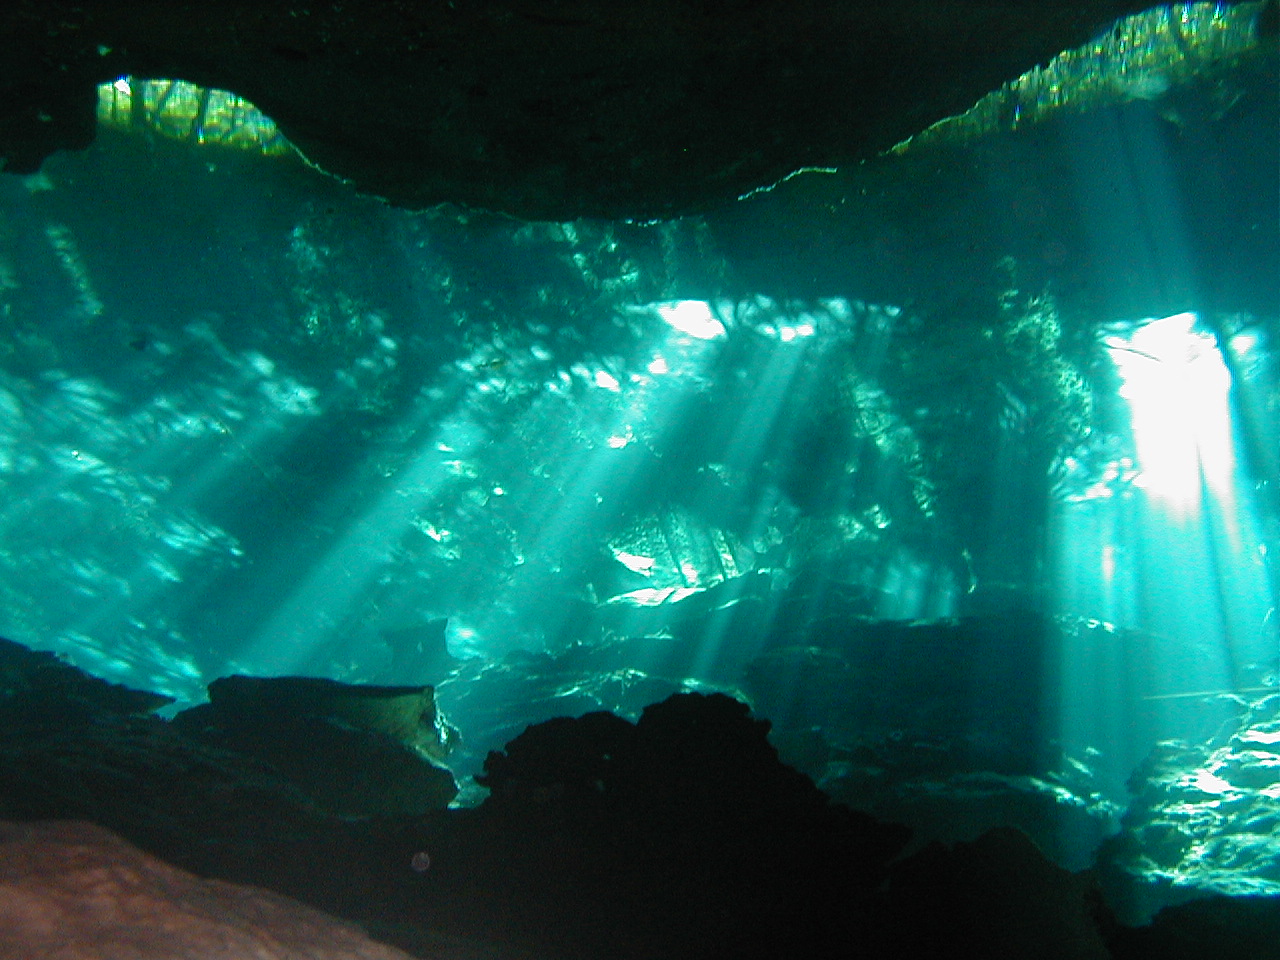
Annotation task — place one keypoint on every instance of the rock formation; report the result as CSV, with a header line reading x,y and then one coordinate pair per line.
x,y
544,110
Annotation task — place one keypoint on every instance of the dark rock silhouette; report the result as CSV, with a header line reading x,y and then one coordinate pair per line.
x,y
358,750
647,109
680,835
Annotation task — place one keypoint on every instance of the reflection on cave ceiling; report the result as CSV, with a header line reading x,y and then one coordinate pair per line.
x,y
549,110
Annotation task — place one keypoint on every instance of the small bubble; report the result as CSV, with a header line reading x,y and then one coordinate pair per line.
x,y
421,862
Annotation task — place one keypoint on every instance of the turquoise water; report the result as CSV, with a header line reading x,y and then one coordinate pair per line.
x,y
960,464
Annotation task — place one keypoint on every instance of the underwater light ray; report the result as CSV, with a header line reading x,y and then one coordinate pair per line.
x,y
1219,546
1168,570
1177,388
629,415
335,582
1251,363
1185,439
774,379
780,374
182,453
599,477
654,408
1174,555
136,501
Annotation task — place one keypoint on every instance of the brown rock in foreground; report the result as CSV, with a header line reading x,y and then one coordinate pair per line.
x,y
74,891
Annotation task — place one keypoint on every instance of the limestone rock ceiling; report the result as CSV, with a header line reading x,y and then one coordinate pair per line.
x,y
546,109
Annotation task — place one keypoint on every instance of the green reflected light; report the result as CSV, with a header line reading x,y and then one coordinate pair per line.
x,y
1142,57
177,110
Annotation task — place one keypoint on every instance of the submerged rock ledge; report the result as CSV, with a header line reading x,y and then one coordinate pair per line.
x,y
681,835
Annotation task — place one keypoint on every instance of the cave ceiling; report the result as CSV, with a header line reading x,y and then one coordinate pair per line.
x,y
554,109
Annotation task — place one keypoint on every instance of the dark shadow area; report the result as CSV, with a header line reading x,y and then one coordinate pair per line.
x,y
681,835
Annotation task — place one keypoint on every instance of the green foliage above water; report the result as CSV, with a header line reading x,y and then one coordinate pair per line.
x,y
1143,57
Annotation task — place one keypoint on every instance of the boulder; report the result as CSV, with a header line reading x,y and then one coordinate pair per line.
x,y
356,750
75,891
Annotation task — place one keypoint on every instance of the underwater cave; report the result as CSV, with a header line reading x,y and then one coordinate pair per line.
x,y
775,506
